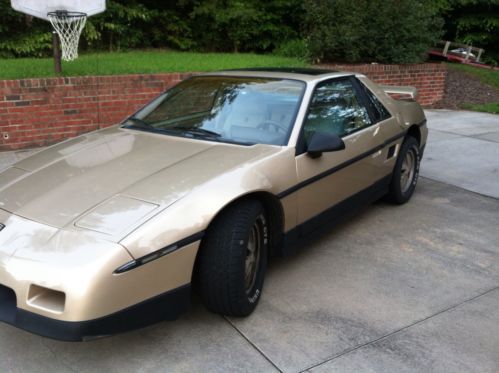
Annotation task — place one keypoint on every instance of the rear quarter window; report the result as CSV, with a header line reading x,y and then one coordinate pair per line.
x,y
378,110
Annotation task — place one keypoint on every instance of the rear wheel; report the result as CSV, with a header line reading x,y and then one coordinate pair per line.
x,y
232,260
406,172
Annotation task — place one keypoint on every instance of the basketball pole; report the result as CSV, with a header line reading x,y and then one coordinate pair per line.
x,y
57,53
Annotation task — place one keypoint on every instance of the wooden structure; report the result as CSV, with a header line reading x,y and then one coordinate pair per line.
x,y
461,53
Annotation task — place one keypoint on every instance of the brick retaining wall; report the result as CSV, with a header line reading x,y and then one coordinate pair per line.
x,y
37,112
428,78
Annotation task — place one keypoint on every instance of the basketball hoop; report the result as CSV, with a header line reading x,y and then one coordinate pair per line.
x,y
68,26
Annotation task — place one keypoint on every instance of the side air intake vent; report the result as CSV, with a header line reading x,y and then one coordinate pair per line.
x,y
391,151
46,299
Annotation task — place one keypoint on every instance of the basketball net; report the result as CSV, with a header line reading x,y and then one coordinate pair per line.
x,y
68,26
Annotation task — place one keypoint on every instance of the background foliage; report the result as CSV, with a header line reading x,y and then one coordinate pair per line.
x,y
474,22
394,31
20,36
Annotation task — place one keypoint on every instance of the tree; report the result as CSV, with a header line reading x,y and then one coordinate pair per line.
x,y
474,22
250,25
394,31
21,35
387,31
122,24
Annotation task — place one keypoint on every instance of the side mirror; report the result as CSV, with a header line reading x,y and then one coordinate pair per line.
x,y
324,142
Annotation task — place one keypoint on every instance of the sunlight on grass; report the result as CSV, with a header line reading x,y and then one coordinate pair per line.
x,y
487,76
492,107
141,62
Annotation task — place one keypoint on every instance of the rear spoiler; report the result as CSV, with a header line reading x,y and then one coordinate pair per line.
x,y
398,90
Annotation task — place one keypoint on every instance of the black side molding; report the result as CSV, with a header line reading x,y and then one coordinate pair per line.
x,y
159,253
331,171
340,166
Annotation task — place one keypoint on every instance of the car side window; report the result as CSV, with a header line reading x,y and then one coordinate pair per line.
x,y
335,108
378,111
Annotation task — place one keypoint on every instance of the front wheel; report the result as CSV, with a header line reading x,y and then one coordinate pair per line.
x,y
406,172
232,260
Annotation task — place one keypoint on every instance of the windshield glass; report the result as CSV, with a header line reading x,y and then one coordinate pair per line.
x,y
227,109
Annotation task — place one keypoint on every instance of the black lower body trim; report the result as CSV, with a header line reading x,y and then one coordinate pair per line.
x,y
328,218
167,306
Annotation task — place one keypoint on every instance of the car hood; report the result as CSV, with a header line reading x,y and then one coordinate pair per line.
x,y
115,171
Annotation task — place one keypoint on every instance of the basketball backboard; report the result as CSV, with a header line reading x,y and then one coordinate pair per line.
x,y
40,8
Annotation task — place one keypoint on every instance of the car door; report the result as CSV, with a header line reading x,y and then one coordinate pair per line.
x,y
330,182
389,128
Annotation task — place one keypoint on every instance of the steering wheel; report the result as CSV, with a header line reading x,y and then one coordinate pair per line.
x,y
278,127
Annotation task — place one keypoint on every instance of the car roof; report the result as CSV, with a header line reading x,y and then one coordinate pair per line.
x,y
298,73
292,70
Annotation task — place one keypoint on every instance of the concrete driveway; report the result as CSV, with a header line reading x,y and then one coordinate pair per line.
x,y
394,289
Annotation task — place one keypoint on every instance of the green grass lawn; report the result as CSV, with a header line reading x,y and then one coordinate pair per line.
x,y
487,76
491,107
139,62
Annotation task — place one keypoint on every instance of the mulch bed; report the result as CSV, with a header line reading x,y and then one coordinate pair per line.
x,y
462,88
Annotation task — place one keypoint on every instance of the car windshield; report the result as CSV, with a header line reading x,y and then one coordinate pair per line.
x,y
237,110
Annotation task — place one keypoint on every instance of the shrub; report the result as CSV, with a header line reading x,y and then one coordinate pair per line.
x,y
386,31
297,48
242,26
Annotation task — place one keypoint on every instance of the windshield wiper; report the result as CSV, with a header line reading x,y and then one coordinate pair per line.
x,y
137,122
198,131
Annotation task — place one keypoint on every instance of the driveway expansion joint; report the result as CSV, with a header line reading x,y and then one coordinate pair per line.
x,y
459,187
252,344
475,136
388,335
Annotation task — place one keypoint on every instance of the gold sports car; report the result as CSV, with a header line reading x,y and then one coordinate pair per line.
x,y
106,232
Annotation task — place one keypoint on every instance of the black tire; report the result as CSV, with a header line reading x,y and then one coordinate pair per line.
x,y
400,192
224,256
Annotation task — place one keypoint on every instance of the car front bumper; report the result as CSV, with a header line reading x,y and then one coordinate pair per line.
x,y
63,284
167,306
